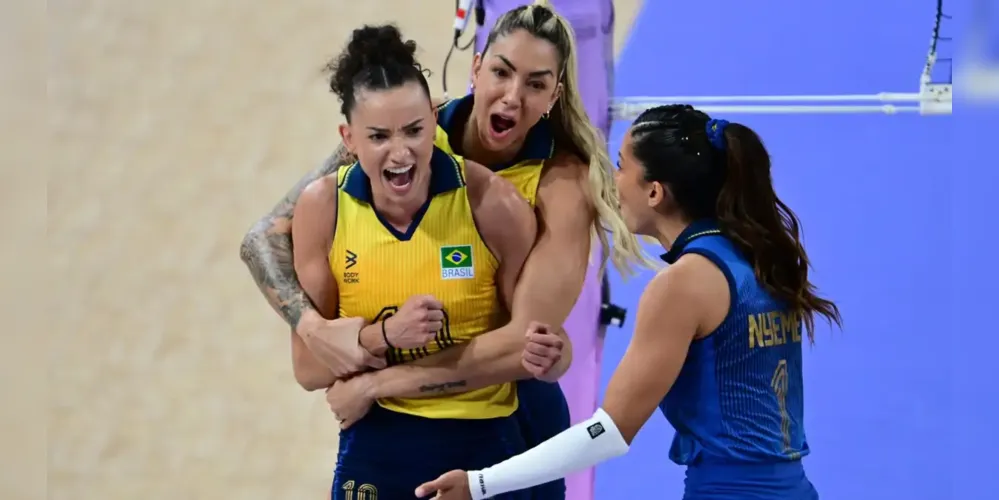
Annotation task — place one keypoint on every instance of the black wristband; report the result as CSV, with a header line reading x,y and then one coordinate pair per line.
x,y
385,335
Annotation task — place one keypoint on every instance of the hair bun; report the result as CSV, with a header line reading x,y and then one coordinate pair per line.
x,y
381,45
371,47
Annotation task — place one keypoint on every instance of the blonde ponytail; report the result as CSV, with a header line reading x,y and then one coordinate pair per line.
x,y
569,117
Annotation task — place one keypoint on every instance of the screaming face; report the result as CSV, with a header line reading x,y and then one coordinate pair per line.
x,y
516,82
392,134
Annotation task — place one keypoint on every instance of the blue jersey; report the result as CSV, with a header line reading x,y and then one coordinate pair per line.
x,y
739,396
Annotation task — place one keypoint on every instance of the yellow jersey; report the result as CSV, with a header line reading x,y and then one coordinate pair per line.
x,y
377,268
524,171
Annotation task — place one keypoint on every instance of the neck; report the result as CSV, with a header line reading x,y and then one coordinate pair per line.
x,y
399,214
473,149
667,230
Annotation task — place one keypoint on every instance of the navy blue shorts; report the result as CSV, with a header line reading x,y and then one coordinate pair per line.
x,y
387,454
773,481
542,414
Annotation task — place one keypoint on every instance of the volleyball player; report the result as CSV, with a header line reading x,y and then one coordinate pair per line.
x,y
525,120
717,342
431,254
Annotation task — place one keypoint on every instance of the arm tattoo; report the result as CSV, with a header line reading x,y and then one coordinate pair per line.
x,y
267,249
445,388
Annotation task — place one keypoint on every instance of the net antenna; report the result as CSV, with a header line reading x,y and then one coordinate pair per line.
x,y
933,98
463,11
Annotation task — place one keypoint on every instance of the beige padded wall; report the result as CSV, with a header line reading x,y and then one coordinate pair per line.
x,y
175,124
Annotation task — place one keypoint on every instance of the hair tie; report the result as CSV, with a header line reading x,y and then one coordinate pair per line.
x,y
716,133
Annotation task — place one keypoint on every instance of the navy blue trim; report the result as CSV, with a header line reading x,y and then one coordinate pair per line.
x,y
695,230
539,144
445,176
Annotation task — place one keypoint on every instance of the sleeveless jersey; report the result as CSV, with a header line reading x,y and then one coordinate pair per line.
x,y
739,396
524,171
377,268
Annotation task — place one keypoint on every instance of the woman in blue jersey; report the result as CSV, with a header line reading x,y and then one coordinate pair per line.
x,y
717,341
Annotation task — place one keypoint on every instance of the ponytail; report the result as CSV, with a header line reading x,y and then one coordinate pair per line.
x,y
764,228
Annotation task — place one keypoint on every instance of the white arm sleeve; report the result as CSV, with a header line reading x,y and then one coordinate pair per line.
x,y
581,446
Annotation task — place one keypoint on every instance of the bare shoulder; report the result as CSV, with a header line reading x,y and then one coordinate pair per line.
x,y
680,278
694,285
317,206
505,219
488,191
566,178
322,190
696,274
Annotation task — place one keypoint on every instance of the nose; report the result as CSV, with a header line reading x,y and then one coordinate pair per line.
x,y
401,151
512,96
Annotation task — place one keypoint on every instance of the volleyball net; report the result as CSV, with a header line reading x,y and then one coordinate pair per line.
x,y
934,97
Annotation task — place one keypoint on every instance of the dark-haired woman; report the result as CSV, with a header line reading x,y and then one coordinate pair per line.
x,y
426,248
717,343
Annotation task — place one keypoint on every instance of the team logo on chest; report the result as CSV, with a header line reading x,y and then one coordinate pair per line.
x,y
457,263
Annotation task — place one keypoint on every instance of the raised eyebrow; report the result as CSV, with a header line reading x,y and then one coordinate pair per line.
x,y
507,62
532,74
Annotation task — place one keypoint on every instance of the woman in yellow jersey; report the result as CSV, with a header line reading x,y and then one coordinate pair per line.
x,y
424,246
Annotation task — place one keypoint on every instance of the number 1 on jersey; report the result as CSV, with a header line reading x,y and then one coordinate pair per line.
x,y
779,384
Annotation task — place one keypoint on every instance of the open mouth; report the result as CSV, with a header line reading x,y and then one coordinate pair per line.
x,y
399,177
500,124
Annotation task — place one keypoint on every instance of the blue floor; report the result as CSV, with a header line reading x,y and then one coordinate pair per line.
x,y
896,226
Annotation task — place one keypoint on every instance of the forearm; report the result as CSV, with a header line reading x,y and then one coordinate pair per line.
x,y
309,371
486,360
267,250
267,254
583,445
372,339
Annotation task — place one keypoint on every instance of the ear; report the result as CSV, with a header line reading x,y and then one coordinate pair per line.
x,y
476,67
658,194
348,138
555,96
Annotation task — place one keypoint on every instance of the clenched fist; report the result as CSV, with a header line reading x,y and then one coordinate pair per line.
x,y
416,323
542,351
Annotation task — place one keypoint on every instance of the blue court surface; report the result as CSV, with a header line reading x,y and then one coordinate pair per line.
x,y
902,404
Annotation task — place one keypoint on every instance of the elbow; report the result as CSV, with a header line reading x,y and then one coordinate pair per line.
x,y
312,380
312,376
565,362
249,248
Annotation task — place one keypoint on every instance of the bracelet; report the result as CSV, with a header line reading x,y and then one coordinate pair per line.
x,y
385,335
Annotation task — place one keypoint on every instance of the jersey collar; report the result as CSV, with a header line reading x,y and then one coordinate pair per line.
x,y
539,145
445,175
696,229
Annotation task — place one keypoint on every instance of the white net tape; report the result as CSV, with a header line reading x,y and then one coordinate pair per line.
x,y
931,99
